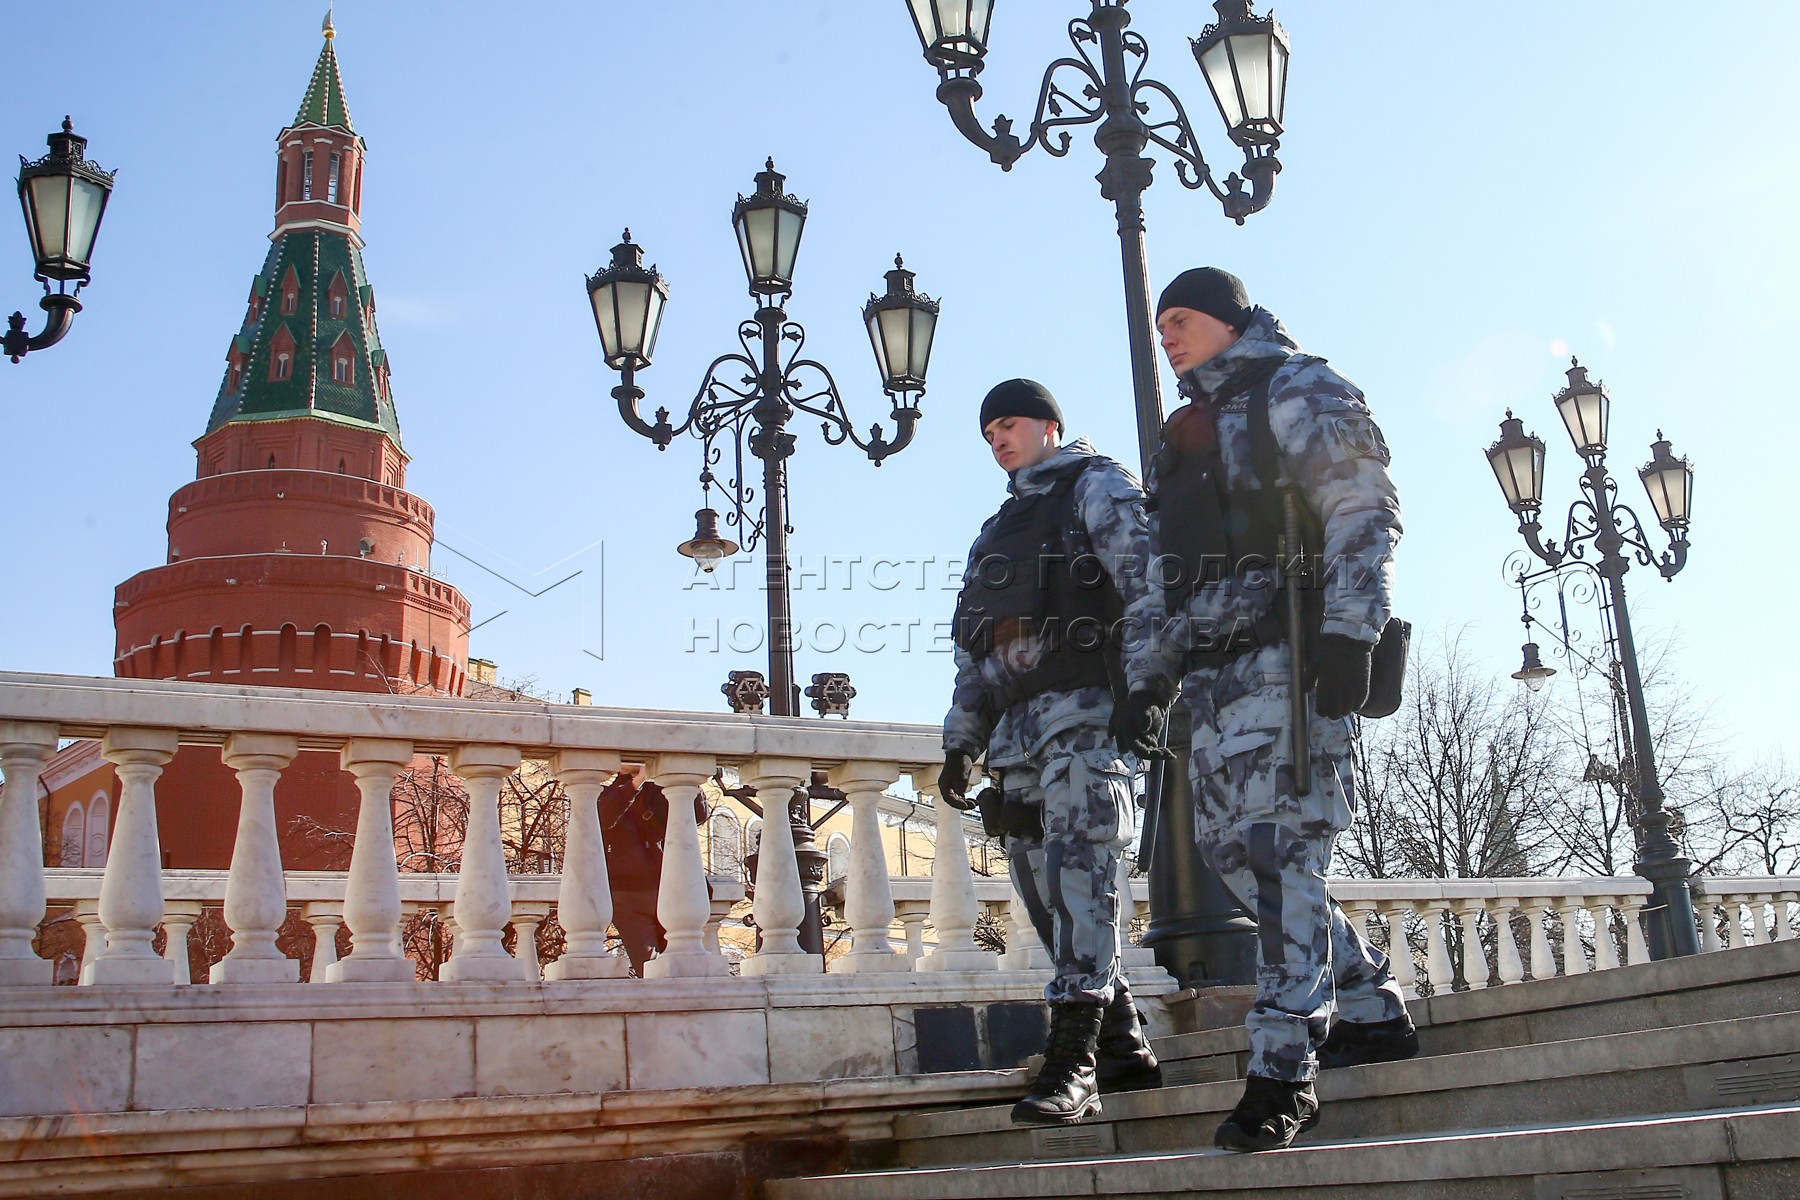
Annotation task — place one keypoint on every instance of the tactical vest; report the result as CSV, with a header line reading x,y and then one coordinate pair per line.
x,y
1208,530
1034,566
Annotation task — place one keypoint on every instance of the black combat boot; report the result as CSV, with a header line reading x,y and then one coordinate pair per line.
x,y
1271,1114
1065,1090
1350,1044
1125,1062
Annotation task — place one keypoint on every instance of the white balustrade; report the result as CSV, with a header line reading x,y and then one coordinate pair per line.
x,y
119,908
584,901
131,895
256,896
24,749
683,905
780,906
953,906
868,892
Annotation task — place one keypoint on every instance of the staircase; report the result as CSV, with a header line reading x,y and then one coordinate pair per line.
x,y
1675,1080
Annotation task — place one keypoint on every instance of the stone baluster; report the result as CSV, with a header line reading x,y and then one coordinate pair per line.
x,y
93,936
179,919
325,917
1475,963
719,908
912,916
1759,923
683,903
1574,957
1024,948
1709,927
527,915
953,905
1438,969
1783,913
372,890
24,749
1509,966
584,905
483,905
780,905
256,890
868,894
1543,958
1399,951
1606,948
1734,923
1636,951
131,895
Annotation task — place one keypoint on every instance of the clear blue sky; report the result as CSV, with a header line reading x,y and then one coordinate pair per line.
x,y
1468,190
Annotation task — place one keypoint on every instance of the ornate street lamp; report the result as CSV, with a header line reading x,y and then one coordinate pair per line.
x,y
1198,930
1598,518
64,198
747,398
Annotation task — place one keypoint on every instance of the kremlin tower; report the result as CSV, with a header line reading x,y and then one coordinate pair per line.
x,y
296,557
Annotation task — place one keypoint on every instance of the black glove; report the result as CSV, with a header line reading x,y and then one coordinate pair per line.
x,y
1341,666
953,780
1138,725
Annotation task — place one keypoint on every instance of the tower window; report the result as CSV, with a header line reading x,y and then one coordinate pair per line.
x,y
331,193
306,175
281,183
340,370
337,306
237,375
290,302
284,366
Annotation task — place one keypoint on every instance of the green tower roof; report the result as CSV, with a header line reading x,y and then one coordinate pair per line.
x,y
324,102
312,302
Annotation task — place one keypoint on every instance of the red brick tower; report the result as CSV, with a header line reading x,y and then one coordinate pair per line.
x,y
296,557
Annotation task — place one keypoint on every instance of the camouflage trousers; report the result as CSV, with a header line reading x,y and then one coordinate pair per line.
x,y
1068,879
1272,848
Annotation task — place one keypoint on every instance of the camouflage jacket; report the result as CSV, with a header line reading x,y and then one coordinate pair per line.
x,y
1335,451
1109,505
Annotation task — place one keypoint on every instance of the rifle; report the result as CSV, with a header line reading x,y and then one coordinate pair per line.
x,y
1292,553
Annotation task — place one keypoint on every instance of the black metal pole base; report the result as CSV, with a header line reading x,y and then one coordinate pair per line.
x,y
1198,931
1670,930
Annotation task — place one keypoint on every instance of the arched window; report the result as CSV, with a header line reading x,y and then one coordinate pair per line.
x,y
284,366
98,833
837,858
306,161
340,370
752,836
237,377
74,836
337,305
290,302
331,193
725,838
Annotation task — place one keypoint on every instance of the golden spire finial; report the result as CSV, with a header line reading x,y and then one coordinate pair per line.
x,y
327,28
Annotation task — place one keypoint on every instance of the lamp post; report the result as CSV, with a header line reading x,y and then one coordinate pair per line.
x,y
1600,520
64,197
747,398
1199,932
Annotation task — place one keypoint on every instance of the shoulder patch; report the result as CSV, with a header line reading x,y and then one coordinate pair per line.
x,y
1355,435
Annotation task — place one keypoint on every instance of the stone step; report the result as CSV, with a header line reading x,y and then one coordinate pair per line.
x,y
1683,991
1746,1154
1712,1065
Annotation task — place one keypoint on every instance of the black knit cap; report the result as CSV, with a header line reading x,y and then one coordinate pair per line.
x,y
1020,398
1211,291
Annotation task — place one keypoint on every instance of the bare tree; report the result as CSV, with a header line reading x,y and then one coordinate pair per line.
x,y
1460,782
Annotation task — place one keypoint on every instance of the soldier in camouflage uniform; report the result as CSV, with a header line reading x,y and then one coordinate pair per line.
x,y
1271,844
1050,581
